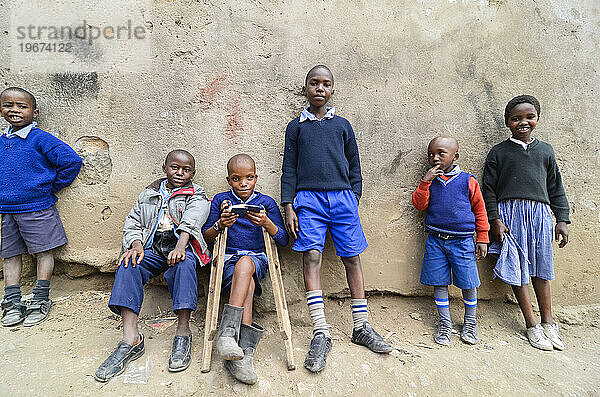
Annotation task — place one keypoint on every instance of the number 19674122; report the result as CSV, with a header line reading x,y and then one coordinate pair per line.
x,y
46,47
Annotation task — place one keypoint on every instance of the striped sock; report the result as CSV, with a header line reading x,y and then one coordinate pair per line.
x,y
359,312
470,300
440,294
316,308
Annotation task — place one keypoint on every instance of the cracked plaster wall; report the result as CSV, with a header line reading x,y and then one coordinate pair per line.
x,y
219,78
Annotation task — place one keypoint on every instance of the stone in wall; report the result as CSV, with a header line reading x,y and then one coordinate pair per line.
x,y
97,164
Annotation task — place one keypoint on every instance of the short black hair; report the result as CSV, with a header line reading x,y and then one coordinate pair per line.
x,y
315,68
22,91
239,158
182,152
519,100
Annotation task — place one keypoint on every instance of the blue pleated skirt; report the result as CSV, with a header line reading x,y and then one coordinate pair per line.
x,y
527,249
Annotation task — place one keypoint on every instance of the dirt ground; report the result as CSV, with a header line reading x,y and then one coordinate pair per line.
x,y
59,356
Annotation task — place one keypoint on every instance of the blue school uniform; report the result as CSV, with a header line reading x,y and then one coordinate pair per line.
x,y
322,179
246,239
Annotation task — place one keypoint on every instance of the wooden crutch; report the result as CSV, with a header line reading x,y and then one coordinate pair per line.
x,y
283,315
214,296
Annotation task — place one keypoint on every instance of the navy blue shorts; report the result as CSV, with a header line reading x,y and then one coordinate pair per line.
x,y
261,265
336,210
450,261
32,232
128,289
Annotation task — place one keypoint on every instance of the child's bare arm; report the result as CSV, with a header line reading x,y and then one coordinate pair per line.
x,y
178,254
135,253
261,219
561,230
433,173
226,219
481,250
291,220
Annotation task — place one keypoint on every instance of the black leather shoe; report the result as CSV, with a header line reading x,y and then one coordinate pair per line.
x,y
118,360
317,354
181,354
367,336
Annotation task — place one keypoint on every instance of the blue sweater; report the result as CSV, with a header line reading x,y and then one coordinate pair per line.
x,y
449,210
320,155
243,235
33,169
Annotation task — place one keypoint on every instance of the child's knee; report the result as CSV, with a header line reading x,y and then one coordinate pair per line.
x,y
311,260
352,262
244,267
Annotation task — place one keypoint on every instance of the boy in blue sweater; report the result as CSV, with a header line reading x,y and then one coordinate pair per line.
x,y
321,185
34,166
245,262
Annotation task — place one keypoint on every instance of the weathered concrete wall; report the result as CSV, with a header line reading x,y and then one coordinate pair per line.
x,y
220,78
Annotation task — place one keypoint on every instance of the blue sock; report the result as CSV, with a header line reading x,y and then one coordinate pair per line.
x,y
470,300
442,302
12,293
41,291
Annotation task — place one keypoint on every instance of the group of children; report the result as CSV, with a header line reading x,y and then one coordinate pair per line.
x,y
173,223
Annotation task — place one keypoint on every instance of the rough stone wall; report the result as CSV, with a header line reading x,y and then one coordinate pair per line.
x,y
224,77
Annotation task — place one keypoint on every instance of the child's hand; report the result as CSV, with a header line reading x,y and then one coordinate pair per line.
x,y
136,253
227,218
433,173
481,250
177,255
291,220
257,218
498,229
561,229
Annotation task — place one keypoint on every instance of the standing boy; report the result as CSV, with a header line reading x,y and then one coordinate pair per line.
x,y
245,262
321,185
455,211
162,233
34,166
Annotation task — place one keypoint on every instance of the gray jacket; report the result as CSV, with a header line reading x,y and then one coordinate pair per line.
x,y
189,207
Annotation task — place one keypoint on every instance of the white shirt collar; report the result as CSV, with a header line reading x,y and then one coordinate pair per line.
x,y
525,145
22,133
242,201
307,115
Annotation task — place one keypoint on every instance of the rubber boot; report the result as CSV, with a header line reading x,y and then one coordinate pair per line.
x,y
229,333
243,370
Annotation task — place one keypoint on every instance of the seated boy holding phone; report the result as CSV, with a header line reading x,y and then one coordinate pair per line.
x,y
245,212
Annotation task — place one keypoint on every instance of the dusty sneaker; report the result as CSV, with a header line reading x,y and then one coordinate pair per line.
x,y
469,333
443,334
366,336
12,313
537,339
317,354
551,332
118,360
37,311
